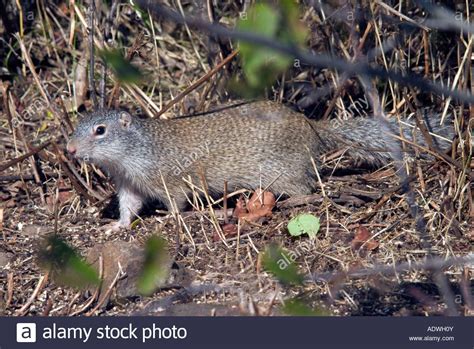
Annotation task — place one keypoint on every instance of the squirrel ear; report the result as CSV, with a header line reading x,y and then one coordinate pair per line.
x,y
125,119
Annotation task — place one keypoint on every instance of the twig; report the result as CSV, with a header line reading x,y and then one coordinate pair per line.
x,y
433,263
120,274
48,307
97,289
401,15
224,197
76,180
137,43
212,214
9,290
69,306
42,281
4,86
32,152
31,66
196,51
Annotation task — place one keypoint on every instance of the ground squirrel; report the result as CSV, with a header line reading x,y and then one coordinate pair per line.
x,y
248,145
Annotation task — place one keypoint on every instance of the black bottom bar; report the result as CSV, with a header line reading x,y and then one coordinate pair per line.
x,y
238,332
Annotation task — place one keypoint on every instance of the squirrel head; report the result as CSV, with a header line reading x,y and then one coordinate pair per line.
x,y
104,137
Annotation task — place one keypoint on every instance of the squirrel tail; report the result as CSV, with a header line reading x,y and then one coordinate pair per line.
x,y
376,142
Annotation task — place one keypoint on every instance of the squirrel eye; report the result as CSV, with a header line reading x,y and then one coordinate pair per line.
x,y
100,130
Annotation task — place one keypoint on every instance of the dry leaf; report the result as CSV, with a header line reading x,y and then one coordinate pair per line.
x,y
363,237
260,205
261,199
239,208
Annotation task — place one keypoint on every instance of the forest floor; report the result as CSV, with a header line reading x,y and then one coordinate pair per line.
x,y
365,221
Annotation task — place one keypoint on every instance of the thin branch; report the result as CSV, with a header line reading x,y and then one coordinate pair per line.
x,y
432,263
32,152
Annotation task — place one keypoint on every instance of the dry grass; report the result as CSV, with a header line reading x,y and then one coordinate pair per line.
x,y
45,192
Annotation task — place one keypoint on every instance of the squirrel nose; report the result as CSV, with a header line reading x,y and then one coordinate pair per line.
x,y
71,148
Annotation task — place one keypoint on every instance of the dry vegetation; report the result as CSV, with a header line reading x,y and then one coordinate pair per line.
x,y
44,191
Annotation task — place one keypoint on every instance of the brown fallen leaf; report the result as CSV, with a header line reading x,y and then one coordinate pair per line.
x,y
260,205
363,237
261,199
239,208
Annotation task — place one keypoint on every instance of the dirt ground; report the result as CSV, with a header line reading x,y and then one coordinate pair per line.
x,y
48,193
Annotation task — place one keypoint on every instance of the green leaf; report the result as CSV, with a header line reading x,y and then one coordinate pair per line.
x,y
262,19
304,224
261,65
65,265
124,71
155,267
296,32
297,307
281,265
